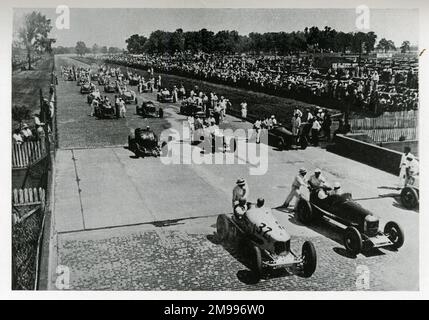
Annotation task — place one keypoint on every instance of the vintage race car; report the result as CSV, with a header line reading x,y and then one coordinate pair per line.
x,y
191,109
133,80
265,242
162,97
128,96
103,80
410,194
87,87
81,81
281,138
362,231
94,76
144,142
93,95
110,87
148,109
104,112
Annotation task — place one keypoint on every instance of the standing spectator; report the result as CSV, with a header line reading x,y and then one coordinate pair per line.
x,y
315,128
26,132
17,138
257,126
123,108
326,127
403,165
296,124
117,107
243,111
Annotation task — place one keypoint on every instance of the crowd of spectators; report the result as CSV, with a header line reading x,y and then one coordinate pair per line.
x,y
371,86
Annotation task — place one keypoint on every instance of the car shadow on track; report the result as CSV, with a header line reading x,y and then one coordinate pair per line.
x,y
335,233
236,249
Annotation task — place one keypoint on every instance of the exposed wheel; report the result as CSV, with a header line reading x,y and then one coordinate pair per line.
x,y
281,144
409,198
303,143
135,100
353,240
222,227
395,234
256,261
304,211
309,258
161,113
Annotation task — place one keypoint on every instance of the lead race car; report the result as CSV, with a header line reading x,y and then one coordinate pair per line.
x,y
362,231
144,142
267,241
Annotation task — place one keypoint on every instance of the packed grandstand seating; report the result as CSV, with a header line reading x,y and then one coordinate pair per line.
x,y
372,85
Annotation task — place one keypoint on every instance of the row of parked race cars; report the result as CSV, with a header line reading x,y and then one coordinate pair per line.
x,y
265,241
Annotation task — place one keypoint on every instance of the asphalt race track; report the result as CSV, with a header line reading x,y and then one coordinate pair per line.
x,y
123,223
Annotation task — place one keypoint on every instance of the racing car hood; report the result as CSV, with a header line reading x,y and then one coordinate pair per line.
x,y
262,218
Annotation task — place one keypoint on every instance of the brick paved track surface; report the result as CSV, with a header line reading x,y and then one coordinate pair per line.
x,y
136,224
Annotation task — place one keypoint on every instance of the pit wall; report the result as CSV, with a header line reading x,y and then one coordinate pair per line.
x,y
376,156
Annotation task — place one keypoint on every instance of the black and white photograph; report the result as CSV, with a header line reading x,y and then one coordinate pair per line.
x,y
215,148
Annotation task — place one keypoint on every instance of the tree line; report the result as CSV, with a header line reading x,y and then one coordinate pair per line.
x,y
311,39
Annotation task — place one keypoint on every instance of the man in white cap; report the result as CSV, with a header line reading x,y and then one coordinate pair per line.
x,y
403,166
240,191
316,180
412,169
297,183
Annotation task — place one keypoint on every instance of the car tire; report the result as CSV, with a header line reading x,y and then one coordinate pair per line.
x,y
304,211
222,227
256,261
161,113
309,257
395,234
353,240
281,144
409,198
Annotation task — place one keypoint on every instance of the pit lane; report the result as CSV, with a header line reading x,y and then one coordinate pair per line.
x,y
110,209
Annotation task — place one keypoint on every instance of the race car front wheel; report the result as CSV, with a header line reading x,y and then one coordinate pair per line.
x,y
394,233
256,261
353,240
409,198
304,211
309,259
222,227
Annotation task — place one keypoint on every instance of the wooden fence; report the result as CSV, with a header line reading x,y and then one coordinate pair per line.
x,y
386,135
28,196
386,121
28,153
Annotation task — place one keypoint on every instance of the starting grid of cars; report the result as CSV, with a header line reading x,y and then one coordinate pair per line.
x,y
265,241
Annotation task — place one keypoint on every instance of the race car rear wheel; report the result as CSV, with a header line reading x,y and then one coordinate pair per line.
x,y
353,240
256,262
409,198
304,211
309,258
395,234
281,144
222,227
161,113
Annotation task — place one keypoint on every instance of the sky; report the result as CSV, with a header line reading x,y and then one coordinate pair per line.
x,y
111,27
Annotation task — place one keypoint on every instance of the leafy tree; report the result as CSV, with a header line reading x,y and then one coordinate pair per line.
x,y
95,48
81,48
405,46
386,45
135,43
103,49
34,34
114,50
